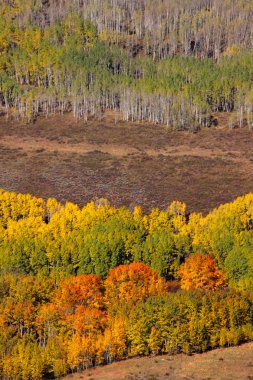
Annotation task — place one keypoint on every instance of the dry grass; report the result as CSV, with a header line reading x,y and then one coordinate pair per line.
x,y
234,363
129,163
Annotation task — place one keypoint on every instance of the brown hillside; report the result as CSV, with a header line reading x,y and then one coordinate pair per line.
x,y
234,363
128,163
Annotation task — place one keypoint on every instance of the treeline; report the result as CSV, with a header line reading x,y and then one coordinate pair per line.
x,y
48,239
205,28
82,287
87,57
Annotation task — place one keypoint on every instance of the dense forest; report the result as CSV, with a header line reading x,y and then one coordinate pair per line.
x,y
173,62
87,286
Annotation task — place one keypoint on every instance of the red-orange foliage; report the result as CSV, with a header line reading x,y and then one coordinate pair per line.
x,y
132,283
86,320
200,271
19,315
86,290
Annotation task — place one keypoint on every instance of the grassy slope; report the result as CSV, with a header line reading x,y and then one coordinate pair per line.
x,y
126,163
222,364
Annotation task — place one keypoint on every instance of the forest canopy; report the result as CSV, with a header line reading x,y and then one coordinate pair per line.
x,y
46,238
175,62
87,286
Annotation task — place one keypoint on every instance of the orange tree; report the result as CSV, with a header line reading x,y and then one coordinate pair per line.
x,y
132,283
200,271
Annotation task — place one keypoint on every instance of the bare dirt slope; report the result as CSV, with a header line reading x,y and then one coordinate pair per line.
x,y
234,363
128,163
